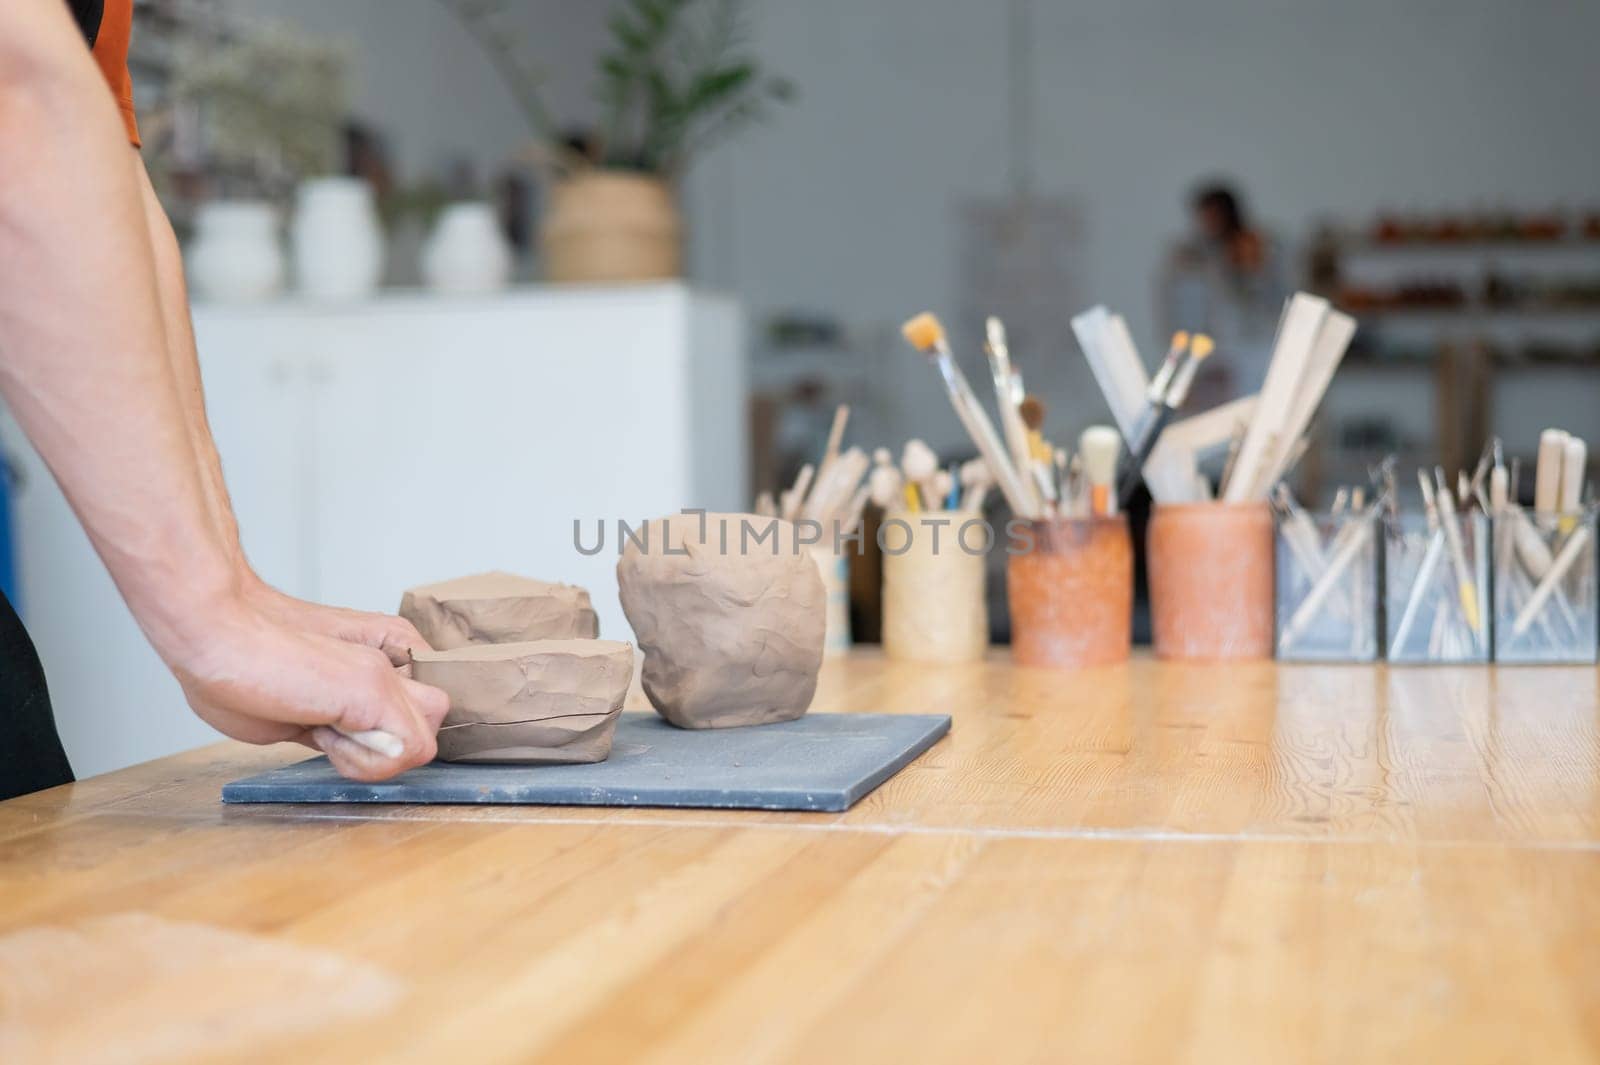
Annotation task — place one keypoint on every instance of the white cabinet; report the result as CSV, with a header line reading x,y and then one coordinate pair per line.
x,y
406,440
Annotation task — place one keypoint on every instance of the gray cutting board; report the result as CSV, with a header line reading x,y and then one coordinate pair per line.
x,y
820,762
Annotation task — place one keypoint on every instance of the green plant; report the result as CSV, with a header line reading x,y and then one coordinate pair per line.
x,y
674,80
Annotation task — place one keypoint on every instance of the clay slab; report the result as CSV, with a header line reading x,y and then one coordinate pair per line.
x,y
497,607
819,762
541,702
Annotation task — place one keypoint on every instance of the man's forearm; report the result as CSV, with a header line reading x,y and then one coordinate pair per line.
x,y
83,354
185,364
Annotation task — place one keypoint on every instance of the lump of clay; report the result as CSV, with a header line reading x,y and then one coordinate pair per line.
x,y
544,701
498,608
729,615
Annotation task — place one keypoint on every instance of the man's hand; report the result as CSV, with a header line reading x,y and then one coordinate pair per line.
x,y
395,637
260,681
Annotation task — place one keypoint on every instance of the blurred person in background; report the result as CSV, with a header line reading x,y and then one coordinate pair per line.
x,y
1225,279
97,364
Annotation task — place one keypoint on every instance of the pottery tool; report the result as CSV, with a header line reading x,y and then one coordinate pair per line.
x,y
1430,562
376,739
975,482
841,415
1300,533
854,509
1466,585
1006,388
1574,468
1564,560
831,491
1268,432
765,506
1172,465
926,335
1354,537
791,500
1547,474
912,504
920,466
1115,365
884,486
943,487
1099,445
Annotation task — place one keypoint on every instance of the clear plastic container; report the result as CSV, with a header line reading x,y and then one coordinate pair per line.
x,y
1436,597
1327,587
1544,587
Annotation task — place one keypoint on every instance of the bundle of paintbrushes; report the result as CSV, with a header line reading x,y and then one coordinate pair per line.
x,y
1263,432
831,494
1327,575
1036,478
1437,572
1544,566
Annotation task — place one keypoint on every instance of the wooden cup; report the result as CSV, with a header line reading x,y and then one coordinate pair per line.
x,y
934,607
1071,593
1211,573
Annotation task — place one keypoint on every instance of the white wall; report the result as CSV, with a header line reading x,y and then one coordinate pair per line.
x,y
846,202
421,79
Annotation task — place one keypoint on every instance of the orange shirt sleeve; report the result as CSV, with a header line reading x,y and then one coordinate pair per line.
x,y
111,53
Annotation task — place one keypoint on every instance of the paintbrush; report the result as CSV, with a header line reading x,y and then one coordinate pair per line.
x,y
1157,416
1099,446
1156,395
1007,387
926,335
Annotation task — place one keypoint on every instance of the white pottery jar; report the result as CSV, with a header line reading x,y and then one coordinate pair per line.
x,y
338,244
235,255
467,253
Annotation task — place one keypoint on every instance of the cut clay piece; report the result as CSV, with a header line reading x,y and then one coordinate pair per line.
x,y
498,608
543,701
730,617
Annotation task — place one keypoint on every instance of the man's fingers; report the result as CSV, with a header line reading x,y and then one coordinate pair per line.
x,y
432,703
353,760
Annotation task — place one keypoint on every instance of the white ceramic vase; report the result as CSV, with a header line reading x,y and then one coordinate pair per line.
x,y
235,256
467,253
338,243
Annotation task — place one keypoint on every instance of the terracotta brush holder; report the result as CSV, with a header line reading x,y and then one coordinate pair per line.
x,y
1211,580
933,588
730,613
541,702
1071,594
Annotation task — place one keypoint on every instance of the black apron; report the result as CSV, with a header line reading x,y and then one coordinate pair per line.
x,y
31,757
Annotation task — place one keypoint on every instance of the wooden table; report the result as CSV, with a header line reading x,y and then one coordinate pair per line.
x,y
1147,863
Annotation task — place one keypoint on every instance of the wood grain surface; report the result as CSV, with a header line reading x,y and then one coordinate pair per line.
x,y
1152,862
